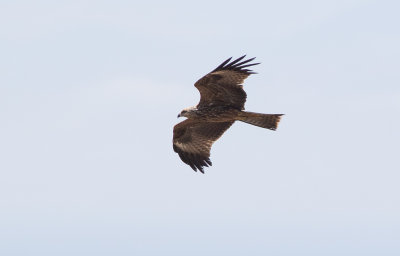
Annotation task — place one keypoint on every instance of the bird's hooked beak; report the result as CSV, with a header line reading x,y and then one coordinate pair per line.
x,y
179,115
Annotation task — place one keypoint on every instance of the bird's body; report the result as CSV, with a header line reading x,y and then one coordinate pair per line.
x,y
214,114
221,104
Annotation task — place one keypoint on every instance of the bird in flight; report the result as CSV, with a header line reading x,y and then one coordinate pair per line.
x,y
222,100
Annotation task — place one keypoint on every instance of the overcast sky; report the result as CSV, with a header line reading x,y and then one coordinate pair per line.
x,y
90,91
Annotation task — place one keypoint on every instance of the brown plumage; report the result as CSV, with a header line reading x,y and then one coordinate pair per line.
x,y
222,100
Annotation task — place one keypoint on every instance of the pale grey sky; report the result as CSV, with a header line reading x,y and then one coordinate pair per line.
x,y
90,91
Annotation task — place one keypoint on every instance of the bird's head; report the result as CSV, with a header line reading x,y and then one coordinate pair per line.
x,y
187,112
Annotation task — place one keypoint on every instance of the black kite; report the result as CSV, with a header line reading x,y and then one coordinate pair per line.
x,y
222,100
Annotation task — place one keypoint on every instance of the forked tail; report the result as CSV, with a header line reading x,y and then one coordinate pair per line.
x,y
269,121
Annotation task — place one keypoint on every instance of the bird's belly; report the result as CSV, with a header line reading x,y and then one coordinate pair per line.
x,y
217,114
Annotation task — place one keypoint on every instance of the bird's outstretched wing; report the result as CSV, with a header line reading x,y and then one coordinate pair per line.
x,y
193,140
223,85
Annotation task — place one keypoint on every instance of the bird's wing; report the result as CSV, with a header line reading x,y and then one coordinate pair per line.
x,y
193,140
223,85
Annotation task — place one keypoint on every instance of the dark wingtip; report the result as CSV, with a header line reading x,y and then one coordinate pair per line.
x,y
196,162
223,64
193,167
235,61
237,65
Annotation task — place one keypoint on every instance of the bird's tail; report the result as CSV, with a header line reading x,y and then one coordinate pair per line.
x,y
269,121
